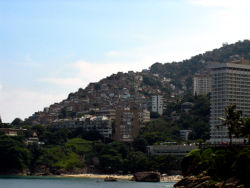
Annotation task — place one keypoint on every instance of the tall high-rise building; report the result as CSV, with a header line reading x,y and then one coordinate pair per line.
x,y
201,84
230,84
126,125
157,104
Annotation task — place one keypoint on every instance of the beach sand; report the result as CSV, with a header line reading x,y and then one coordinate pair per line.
x,y
101,176
174,178
120,177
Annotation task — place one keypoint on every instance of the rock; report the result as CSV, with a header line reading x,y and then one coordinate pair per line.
x,y
219,185
203,181
204,178
147,176
192,181
41,171
240,186
185,181
231,183
109,178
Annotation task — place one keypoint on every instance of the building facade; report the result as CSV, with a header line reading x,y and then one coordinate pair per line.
x,y
157,104
230,84
101,124
144,117
184,134
126,125
12,132
176,150
201,84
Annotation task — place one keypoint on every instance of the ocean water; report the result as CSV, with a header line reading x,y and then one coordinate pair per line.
x,y
57,182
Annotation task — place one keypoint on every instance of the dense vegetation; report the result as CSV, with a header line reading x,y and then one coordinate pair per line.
x,y
70,150
219,163
67,151
226,162
185,69
167,129
76,155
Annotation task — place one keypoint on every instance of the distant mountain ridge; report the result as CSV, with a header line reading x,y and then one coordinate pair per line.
x,y
134,89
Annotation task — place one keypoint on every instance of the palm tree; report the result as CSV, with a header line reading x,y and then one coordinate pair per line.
x,y
232,121
245,128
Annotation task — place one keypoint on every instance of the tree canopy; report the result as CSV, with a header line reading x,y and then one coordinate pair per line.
x,y
232,121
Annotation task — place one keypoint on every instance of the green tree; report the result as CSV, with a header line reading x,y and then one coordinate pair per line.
x,y
40,130
140,144
15,157
245,128
36,153
17,122
137,161
232,121
154,115
56,136
79,146
201,130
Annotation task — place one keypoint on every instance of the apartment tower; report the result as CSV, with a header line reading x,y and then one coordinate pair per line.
x,y
157,104
230,84
126,125
201,84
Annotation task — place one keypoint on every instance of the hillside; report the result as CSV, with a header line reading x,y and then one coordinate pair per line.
x,y
181,72
134,89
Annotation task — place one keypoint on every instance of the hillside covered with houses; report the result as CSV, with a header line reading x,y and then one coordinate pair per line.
x,y
134,90
112,127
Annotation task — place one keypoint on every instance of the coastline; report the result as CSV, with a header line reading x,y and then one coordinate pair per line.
x,y
174,178
97,176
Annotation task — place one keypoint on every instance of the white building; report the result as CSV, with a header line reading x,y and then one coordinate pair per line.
x,y
101,124
184,134
201,84
157,104
230,85
144,116
176,150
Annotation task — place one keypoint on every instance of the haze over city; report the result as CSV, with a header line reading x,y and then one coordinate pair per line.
x,y
51,48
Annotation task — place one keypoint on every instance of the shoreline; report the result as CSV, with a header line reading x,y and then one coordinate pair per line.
x,y
173,178
97,176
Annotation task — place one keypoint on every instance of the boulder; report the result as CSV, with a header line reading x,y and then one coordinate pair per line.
x,y
110,178
203,181
231,183
147,176
192,181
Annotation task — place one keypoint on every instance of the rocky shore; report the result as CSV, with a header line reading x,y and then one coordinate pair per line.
x,y
147,176
206,181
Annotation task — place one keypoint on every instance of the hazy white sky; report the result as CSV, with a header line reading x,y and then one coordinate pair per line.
x,y
51,48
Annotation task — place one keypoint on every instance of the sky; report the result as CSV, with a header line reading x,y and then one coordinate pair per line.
x,y
49,48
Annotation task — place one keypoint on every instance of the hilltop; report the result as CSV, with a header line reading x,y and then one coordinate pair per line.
x,y
134,89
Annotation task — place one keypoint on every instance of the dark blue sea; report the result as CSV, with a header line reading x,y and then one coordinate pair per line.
x,y
57,182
